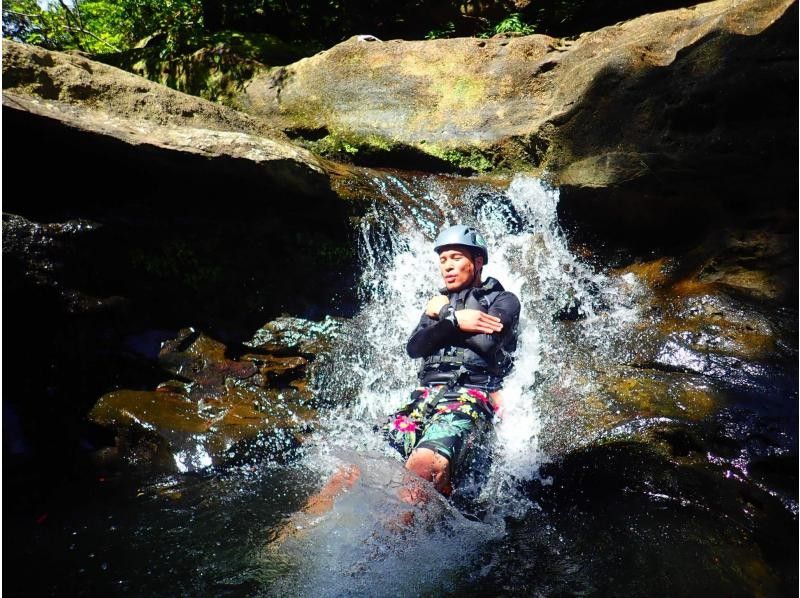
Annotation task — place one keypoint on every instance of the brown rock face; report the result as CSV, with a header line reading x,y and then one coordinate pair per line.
x,y
663,95
97,99
75,80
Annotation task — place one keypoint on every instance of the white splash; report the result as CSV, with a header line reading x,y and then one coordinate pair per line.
x,y
370,375
528,254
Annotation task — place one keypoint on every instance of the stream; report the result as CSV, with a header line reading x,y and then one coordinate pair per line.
x,y
581,493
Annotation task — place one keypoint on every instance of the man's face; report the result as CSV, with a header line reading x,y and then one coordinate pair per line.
x,y
458,267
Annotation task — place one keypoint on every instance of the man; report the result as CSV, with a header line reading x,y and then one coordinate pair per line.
x,y
465,337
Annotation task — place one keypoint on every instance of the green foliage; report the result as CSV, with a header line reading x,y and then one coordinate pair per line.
x,y
473,160
348,148
215,72
102,26
333,146
179,26
513,23
447,30
178,261
25,20
106,21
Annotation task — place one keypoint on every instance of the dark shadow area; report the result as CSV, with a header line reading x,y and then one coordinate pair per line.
x,y
329,23
623,519
567,18
110,249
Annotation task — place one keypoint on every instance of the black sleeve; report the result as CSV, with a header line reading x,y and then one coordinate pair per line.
x,y
507,308
431,335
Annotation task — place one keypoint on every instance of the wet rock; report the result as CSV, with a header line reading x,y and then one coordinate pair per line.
x,y
646,394
696,327
700,320
756,263
295,336
625,503
204,363
717,324
622,403
39,251
203,360
697,348
197,430
256,405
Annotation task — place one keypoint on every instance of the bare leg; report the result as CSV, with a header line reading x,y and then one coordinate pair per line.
x,y
319,503
341,481
427,465
497,399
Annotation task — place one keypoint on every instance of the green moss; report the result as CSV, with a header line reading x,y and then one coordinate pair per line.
x,y
463,93
347,147
472,159
373,149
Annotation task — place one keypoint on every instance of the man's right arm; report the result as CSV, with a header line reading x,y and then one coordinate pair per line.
x,y
430,335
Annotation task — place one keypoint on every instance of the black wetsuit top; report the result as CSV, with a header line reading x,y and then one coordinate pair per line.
x,y
483,360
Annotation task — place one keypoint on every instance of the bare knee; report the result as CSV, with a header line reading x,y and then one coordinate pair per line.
x,y
431,466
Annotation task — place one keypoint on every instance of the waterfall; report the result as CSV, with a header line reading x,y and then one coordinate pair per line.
x,y
369,374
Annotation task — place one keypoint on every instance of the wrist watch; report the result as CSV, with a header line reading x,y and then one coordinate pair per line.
x,y
451,315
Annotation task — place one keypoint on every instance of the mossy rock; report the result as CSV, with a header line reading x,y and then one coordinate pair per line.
x,y
590,112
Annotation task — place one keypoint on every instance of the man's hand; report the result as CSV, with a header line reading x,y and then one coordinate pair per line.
x,y
435,305
473,320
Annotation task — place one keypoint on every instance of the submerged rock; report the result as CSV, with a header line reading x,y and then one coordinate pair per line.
x,y
295,335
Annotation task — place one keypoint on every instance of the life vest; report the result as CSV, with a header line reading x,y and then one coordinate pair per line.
x,y
455,357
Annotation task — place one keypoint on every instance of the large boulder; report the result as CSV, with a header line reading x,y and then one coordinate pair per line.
x,y
688,93
99,100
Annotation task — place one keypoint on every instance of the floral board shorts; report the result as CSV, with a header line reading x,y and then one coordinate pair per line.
x,y
448,422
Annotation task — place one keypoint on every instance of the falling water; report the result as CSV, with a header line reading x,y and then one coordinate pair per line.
x,y
369,375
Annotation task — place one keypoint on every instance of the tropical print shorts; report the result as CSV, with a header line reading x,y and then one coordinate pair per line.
x,y
446,421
